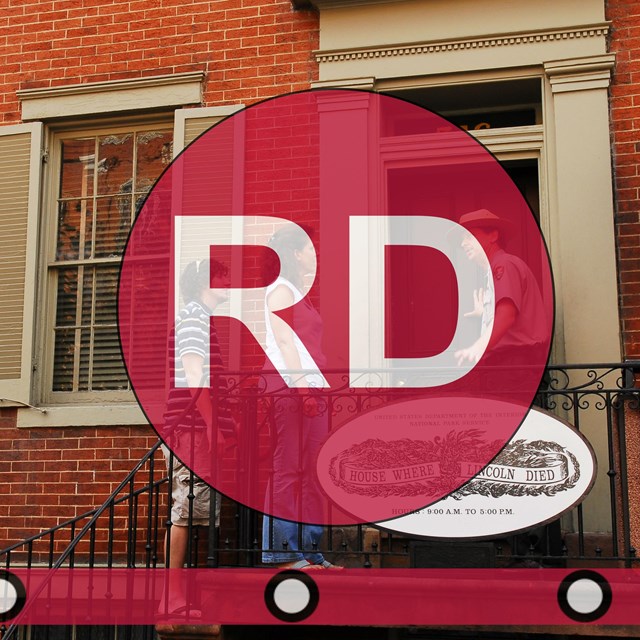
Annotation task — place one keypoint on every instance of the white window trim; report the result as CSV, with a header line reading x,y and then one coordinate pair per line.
x,y
49,212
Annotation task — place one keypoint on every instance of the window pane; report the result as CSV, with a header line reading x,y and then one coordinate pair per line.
x,y
113,223
64,358
154,150
108,372
105,295
88,290
115,163
75,222
76,180
472,106
84,364
71,360
145,341
88,359
67,297
152,337
93,225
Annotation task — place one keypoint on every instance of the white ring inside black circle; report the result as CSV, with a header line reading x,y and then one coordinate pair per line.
x,y
20,598
306,582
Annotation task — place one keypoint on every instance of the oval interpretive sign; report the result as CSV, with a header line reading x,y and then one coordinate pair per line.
x,y
545,469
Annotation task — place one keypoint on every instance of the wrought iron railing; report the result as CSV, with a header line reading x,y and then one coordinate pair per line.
x,y
599,399
129,529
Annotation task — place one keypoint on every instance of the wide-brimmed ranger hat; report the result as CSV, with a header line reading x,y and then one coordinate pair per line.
x,y
479,219
485,219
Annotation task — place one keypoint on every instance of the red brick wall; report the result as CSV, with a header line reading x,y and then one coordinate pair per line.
x,y
625,114
52,475
248,50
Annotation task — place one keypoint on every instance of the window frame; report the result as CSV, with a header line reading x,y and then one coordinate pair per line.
x,y
525,142
47,285
104,410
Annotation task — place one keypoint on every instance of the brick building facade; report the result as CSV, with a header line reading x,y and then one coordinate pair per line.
x,y
248,53
624,110
78,70
244,53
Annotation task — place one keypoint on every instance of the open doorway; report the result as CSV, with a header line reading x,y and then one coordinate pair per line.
x,y
413,297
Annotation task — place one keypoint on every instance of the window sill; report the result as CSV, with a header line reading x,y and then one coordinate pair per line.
x,y
88,415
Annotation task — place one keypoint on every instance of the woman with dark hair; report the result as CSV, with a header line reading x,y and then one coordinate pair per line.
x,y
191,432
203,286
286,349
300,415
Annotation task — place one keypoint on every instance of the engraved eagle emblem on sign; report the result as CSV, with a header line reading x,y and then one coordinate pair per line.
x,y
407,467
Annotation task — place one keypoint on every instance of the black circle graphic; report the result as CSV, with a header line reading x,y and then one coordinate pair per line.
x,y
304,579
21,595
592,576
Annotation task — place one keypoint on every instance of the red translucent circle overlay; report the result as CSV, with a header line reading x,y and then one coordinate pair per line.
x,y
399,262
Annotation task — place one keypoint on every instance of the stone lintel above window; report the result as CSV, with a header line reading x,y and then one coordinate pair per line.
x,y
114,96
334,4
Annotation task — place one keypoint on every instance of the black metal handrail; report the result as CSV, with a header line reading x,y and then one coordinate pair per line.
x,y
608,389
94,515
110,503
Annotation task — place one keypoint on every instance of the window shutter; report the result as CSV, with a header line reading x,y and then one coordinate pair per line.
x,y
199,169
193,127
227,179
20,171
190,123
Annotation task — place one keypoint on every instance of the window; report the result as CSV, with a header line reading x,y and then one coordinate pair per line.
x,y
100,180
479,106
62,243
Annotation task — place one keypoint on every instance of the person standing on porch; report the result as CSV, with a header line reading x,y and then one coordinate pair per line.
x,y
513,317
189,426
301,417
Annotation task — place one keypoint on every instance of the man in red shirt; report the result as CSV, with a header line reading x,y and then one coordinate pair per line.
x,y
514,320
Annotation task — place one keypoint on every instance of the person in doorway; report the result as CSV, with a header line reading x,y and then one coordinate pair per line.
x,y
514,324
